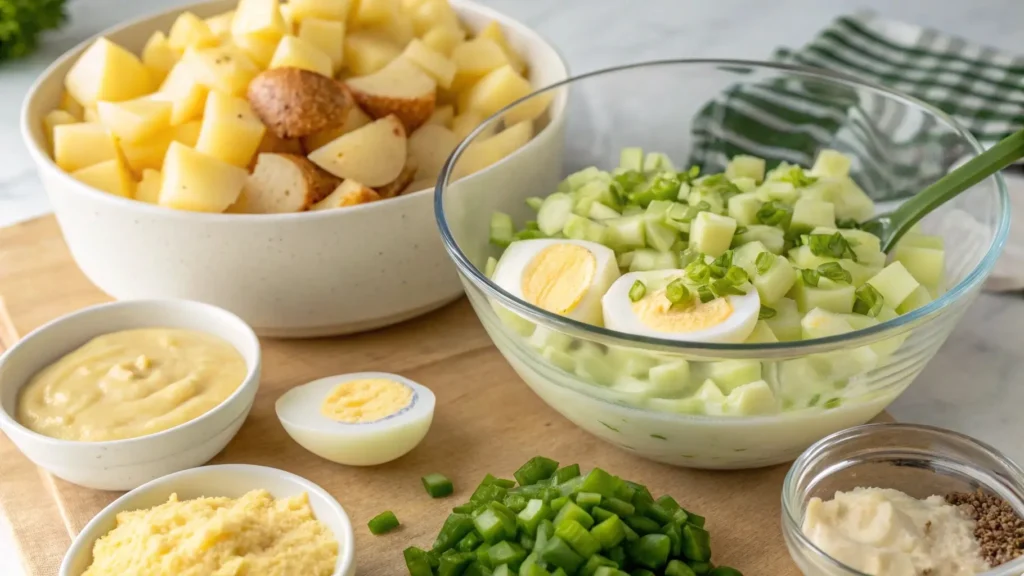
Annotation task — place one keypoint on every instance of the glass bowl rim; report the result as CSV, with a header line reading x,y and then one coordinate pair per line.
x,y
599,333
791,525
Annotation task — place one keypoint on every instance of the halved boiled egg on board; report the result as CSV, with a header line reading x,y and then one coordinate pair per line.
x,y
566,277
361,419
728,319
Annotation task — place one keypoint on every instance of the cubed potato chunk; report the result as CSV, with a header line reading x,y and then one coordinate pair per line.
x,y
148,189
293,52
489,151
497,89
283,183
373,154
223,68
432,14
441,69
149,153
259,49
198,182
110,176
159,57
348,193
398,30
77,146
442,116
366,53
261,18
231,131
400,88
493,32
324,9
185,93
71,106
465,123
220,25
56,118
326,35
444,39
355,119
430,146
370,12
190,31
106,71
529,109
135,120
474,59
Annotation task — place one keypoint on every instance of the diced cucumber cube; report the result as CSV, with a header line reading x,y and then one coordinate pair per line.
x,y
919,297
920,240
845,364
762,334
751,399
743,166
656,162
852,202
632,210
831,164
660,236
599,211
781,191
809,214
543,338
658,209
582,206
517,323
786,322
684,192
576,180
894,283
554,213
625,233
799,382
580,228
822,323
710,197
774,239
502,229
926,265
776,282
804,258
644,260
592,364
631,159
825,189
559,358
745,256
744,184
624,260
671,376
866,245
860,321
709,392
743,208
636,363
711,233
827,295
730,374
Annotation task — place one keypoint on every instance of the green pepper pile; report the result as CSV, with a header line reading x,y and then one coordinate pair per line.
x,y
554,521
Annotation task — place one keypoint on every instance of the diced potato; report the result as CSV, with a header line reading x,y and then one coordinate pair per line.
x,y
148,189
370,12
348,193
289,26
56,118
77,146
325,9
231,131
493,32
474,59
441,69
328,36
110,176
398,30
71,106
432,14
294,52
223,68
496,90
366,53
198,182
259,49
430,146
442,116
135,120
400,88
185,93
356,119
106,71
466,122
484,153
374,154
190,31
282,183
91,115
159,57
149,153
261,18
529,109
220,25
444,39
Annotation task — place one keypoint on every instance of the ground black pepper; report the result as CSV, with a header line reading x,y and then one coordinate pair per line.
x,y
1000,531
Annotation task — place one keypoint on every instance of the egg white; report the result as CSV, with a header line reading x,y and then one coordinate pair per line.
x,y
619,314
509,273
355,444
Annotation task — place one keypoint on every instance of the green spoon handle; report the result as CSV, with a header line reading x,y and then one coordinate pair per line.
x,y
989,162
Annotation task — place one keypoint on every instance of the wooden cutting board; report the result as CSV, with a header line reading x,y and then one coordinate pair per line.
x,y
486,420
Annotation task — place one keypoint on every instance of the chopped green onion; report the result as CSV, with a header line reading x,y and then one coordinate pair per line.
x,y
678,568
501,229
833,245
534,202
566,473
528,234
833,403
836,273
637,291
437,485
736,275
502,482
723,287
558,553
383,522
417,561
847,224
773,213
651,550
766,313
810,277
764,262
696,543
455,527
698,271
588,499
689,175
741,230
706,295
868,301
796,176
578,538
537,469
677,292
721,264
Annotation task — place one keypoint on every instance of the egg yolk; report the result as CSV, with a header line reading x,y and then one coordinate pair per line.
x,y
658,313
557,278
362,401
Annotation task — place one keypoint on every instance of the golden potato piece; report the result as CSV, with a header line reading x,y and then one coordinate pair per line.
x,y
484,153
397,186
198,182
285,183
401,89
374,154
430,146
349,193
356,119
294,103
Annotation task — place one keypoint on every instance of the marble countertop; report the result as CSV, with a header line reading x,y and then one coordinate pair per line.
x,y
972,386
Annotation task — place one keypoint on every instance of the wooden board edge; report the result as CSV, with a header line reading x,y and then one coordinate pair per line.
x,y
8,333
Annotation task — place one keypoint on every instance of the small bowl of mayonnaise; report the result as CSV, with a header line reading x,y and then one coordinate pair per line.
x,y
904,499
113,396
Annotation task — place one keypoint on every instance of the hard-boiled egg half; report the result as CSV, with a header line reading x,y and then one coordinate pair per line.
x,y
728,319
566,277
360,419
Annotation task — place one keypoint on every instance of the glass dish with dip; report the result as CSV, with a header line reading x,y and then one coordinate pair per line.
x,y
841,495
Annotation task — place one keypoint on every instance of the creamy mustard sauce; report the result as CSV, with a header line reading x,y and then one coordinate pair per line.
x,y
131,383
558,277
367,400
657,312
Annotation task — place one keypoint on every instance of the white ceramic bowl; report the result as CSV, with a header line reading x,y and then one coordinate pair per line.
x,y
288,275
229,480
126,464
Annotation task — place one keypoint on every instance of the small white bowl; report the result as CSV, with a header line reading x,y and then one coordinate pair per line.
x,y
288,275
225,480
126,464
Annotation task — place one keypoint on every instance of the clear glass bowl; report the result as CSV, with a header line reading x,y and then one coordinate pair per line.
x,y
602,380
918,460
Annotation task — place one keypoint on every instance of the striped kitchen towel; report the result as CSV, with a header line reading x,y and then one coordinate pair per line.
x,y
789,120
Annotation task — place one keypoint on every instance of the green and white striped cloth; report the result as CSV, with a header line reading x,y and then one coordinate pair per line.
x,y
789,120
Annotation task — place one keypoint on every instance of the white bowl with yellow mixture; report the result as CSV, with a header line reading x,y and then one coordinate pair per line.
x,y
116,395
260,520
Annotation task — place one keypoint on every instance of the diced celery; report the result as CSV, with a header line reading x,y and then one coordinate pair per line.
x,y
743,166
827,295
588,174
821,323
809,214
926,265
774,239
554,213
671,376
831,164
894,283
559,359
744,184
631,159
782,191
730,374
920,240
743,208
599,211
534,203
752,398
919,297
502,229
709,197
580,228
786,322
711,233
762,334
656,161
644,260
660,236
625,233
852,202
776,282
543,338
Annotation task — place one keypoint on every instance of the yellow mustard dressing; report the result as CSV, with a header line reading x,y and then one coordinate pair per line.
x,y
558,277
131,383
657,312
254,534
367,400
